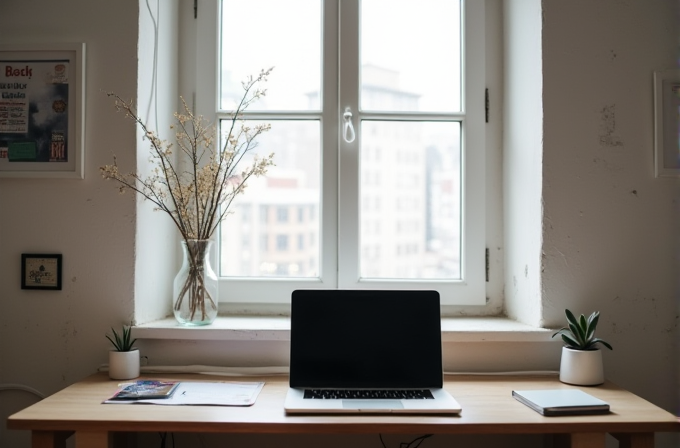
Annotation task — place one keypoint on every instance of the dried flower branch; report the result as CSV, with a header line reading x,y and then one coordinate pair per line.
x,y
196,199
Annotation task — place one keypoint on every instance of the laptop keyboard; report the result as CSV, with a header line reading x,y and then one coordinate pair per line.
x,y
408,394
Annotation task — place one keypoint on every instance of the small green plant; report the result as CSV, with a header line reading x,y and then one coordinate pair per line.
x,y
122,342
580,334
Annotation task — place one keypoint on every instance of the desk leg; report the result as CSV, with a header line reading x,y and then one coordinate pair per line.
x,y
87,439
49,439
635,440
580,440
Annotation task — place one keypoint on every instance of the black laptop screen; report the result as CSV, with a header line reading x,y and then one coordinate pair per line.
x,y
365,339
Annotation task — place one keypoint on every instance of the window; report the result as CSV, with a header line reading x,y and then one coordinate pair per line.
x,y
281,213
282,243
378,135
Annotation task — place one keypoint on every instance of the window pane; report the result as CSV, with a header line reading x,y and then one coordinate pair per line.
x,y
413,48
256,240
259,34
410,200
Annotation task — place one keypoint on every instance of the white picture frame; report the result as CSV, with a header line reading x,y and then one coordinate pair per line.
x,y
667,123
42,100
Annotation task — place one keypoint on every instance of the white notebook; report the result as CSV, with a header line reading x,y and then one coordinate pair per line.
x,y
561,402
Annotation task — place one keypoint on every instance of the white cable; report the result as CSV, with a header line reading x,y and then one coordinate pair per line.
x,y
211,370
216,370
519,372
14,386
284,370
153,96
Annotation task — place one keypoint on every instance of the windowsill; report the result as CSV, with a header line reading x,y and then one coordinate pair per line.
x,y
277,328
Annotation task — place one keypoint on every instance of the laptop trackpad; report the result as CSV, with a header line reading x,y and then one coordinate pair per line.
x,y
372,404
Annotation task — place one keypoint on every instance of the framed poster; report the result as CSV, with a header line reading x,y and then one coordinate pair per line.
x,y
667,123
41,271
41,110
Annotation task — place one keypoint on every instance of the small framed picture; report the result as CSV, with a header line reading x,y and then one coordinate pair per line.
x,y
41,271
667,123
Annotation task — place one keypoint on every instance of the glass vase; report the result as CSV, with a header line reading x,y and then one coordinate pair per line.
x,y
195,286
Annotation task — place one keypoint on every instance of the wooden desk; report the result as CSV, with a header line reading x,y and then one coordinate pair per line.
x,y
488,408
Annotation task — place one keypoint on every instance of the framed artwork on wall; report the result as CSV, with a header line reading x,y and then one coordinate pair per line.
x,y
667,123
41,271
42,92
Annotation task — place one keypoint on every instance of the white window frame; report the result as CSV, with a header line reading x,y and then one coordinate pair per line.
x,y
339,204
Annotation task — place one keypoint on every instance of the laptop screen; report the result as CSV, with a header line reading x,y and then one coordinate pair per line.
x,y
365,339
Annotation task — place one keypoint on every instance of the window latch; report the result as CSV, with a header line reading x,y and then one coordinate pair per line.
x,y
348,130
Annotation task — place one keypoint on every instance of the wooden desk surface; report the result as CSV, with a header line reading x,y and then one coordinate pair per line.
x,y
488,408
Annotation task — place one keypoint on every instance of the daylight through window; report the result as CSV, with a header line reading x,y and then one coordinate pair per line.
x,y
400,205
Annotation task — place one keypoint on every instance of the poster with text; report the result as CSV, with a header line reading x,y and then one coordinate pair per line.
x,y
34,111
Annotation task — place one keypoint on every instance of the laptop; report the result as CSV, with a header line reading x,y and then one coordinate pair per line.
x,y
366,351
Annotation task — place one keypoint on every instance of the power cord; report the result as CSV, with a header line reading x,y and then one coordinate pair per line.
x,y
283,370
14,386
164,436
415,443
212,370
154,76
509,373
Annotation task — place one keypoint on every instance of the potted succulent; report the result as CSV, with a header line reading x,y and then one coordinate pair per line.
x,y
124,357
581,362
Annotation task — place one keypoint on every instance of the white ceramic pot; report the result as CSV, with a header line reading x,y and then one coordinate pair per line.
x,y
123,365
581,367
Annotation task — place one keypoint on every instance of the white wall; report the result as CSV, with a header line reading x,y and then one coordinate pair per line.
x,y
610,229
50,339
601,232
608,239
156,240
522,158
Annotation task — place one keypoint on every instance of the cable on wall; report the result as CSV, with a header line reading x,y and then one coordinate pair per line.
x,y
153,97
212,370
284,370
509,373
22,387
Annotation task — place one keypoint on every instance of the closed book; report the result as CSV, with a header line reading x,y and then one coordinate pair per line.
x,y
561,402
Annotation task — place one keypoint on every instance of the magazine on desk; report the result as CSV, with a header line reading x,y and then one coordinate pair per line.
x,y
145,390
178,393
